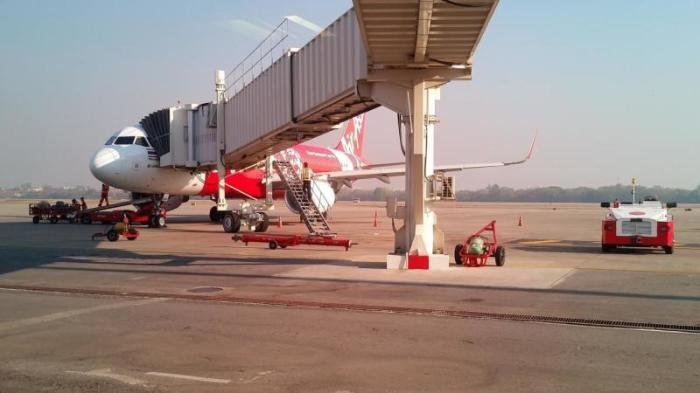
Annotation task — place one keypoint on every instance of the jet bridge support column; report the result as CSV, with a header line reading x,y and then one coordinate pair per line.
x,y
419,239
220,82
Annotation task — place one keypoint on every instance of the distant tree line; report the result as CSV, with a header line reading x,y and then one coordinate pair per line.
x,y
29,191
496,193
492,193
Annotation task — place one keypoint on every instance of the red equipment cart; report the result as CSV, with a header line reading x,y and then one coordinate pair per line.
x,y
283,241
114,216
490,248
113,234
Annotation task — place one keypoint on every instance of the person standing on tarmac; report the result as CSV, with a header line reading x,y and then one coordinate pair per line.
x,y
83,205
105,195
306,175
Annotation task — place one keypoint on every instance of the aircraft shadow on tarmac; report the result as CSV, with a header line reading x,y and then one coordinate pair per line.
x,y
75,256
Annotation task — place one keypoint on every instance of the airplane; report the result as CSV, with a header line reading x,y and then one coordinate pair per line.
x,y
128,161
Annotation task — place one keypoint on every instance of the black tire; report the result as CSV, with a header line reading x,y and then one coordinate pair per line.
x,y
214,215
112,235
458,253
85,219
668,249
130,238
500,256
273,245
156,221
36,219
53,219
264,224
607,247
231,222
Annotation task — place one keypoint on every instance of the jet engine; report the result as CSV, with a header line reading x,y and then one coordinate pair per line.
x,y
172,203
322,195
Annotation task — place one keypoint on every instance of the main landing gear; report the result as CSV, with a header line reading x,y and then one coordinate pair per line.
x,y
234,221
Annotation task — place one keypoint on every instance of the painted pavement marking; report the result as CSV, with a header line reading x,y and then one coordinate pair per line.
x,y
5,326
188,377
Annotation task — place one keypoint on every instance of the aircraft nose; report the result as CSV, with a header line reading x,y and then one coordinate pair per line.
x,y
104,165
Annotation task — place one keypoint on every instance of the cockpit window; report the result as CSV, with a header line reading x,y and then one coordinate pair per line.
x,y
110,140
141,141
124,140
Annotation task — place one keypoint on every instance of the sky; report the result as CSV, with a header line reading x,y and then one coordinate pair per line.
x,y
612,86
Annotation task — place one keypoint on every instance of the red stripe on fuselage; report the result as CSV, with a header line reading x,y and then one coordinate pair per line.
x,y
250,183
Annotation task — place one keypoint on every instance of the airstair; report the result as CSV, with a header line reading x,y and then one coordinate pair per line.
x,y
312,216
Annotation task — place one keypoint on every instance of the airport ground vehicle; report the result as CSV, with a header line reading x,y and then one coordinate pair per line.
x,y
643,224
140,216
477,248
44,211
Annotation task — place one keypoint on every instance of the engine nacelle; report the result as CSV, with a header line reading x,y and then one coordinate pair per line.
x,y
322,195
172,203
175,201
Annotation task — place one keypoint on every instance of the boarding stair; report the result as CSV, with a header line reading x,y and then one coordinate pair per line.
x,y
312,216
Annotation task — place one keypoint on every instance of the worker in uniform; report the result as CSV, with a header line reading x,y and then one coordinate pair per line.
x,y
105,195
83,205
306,175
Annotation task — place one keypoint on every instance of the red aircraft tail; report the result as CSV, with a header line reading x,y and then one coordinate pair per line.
x,y
353,137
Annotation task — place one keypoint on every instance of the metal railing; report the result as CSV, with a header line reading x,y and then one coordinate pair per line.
x,y
259,59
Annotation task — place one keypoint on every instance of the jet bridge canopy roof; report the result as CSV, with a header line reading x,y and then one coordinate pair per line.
x,y
422,33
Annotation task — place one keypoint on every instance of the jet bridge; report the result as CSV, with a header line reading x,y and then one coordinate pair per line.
x,y
395,53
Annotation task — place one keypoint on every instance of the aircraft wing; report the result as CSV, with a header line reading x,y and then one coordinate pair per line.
x,y
383,173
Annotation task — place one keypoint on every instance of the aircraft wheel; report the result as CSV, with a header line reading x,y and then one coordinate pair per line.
x,y
231,222
156,221
214,215
500,256
263,224
668,249
458,253
112,235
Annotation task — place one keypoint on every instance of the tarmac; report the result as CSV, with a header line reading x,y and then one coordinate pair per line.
x,y
185,308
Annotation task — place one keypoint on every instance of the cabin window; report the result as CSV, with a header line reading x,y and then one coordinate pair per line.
x,y
124,140
141,141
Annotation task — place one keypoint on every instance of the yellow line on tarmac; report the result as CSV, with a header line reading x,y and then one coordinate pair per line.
x,y
540,241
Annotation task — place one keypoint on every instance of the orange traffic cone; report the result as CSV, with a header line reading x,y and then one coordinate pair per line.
x,y
520,221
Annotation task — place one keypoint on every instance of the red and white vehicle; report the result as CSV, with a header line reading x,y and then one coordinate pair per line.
x,y
643,224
